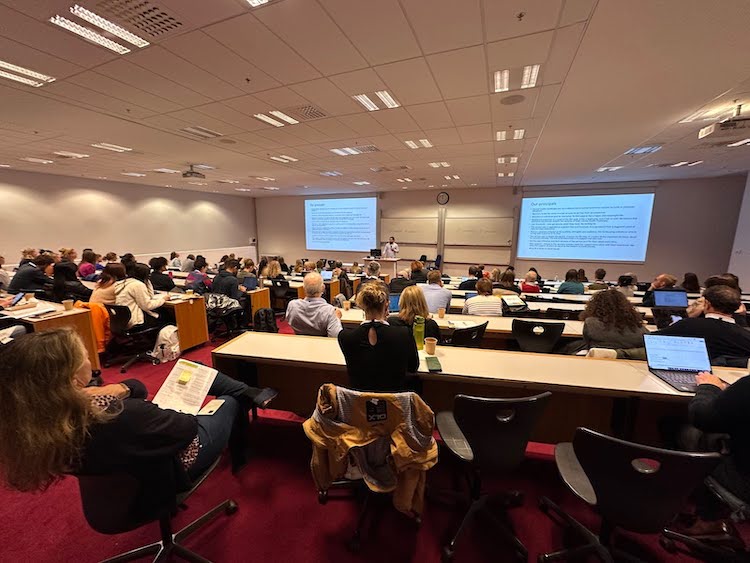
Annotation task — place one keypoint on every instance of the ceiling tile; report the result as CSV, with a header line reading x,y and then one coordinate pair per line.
x,y
220,110
502,111
281,98
363,124
324,94
196,118
577,11
333,128
461,73
106,102
395,120
110,87
442,25
502,19
562,53
518,52
475,133
443,137
410,82
470,111
431,116
359,82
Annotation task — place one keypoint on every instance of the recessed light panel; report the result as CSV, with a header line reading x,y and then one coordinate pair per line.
x,y
502,80
110,147
108,26
530,75
644,150
89,34
37,160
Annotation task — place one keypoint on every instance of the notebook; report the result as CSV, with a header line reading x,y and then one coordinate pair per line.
x,y
677,299
677,359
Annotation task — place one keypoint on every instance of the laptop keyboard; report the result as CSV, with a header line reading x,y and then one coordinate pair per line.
x,y
679,379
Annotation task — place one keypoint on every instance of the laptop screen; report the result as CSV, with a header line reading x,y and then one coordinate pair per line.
x,y
326,275
393,302
250,282
470,294
680,353
513,300
670,298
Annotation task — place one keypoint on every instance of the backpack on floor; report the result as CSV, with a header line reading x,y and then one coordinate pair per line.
x,y
264,320
167,347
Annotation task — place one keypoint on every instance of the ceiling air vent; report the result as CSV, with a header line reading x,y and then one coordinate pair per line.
x,y
305,113
147,17
201,132
366,148
393,169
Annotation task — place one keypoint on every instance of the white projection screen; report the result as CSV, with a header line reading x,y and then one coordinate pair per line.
x,y
601,228
346,224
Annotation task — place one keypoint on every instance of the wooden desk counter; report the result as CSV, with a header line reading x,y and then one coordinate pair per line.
x,y
259,299
190,316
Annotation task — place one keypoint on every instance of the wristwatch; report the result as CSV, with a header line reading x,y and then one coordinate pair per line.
x,y
127,391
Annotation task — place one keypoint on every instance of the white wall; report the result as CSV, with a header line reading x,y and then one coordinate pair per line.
x,y
739,262
49,211
692,229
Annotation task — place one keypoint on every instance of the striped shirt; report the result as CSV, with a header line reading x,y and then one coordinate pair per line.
x,y
484,305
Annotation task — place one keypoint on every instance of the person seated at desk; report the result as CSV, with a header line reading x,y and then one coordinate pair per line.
x,y
378,355
66,285
247,271
188,264
504,283
159,280
690,283
68,254
722,335
198,279
9,329
108,257
373,275
104,292
309,266
582,275
529,283
663,282
435,295
355,269
108,429
28,255
598,282
418,275
313,315
137,294
87,267
475,273
174,260
484,303
226,282
411,305
298,267
697,307
401,281
274,271
611,321
571,285
626,285
283,265
34,275
4,276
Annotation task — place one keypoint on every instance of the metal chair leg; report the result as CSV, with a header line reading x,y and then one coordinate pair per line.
x,y
228,507
137,553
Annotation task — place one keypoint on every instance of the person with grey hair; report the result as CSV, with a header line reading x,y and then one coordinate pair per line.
x,y
313,316
372,275
401,282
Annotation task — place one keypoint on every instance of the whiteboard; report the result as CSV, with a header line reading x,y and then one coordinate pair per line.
x,y
420,230
479,231
487,256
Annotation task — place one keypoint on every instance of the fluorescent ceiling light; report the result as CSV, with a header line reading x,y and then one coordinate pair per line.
x,y
407,179
696,163
270,120
271,188
109,147
202,132
285,117
242,189
456,177
256,3
89,34
400,180
501,136
166,171
739,143
608,168
204,167
473,184
433,164
507,159
21,79
644,150
108,26
519,133
387,99
289,158
530,74
502,80
366,102
68,154
37,160
4,165
513,159
425,143
265,179
411,144
134,174
511,174
349,150
331,173
28,72
361,183
501,174
228,181
677,164
445,164
447,177
339,152
198,183
284,158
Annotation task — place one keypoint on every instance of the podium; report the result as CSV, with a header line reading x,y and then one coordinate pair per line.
x,y
387,265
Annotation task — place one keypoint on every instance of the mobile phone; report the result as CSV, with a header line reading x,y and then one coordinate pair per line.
x,y
433,364
16,299
211,407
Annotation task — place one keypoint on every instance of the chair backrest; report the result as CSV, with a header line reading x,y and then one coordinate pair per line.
x,y
438,261
108,502
534,336
119,317
498,430
561,314
264,320
639,488
423,258
469,337
280,288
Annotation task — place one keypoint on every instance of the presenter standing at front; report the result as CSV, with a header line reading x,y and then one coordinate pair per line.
x,y
390,248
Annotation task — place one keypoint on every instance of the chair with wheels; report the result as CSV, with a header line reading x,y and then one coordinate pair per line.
x,y
490,436
470,337
114,503
438,262
535,336
279,295
633,487
129,344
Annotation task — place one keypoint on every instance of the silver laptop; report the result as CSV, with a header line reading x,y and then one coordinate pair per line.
x,y
677,359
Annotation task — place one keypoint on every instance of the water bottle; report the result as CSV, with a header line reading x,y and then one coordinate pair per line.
x,y
418,330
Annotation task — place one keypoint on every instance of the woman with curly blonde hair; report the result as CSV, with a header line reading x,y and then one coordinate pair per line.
x,y
611,321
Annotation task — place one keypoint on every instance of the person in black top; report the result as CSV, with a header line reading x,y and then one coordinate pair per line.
x,y
159,280
101,430
378,356
506,281
723,336
690,283
372,275
400,282
283,265
471,283
418,275
662,282
412,304
34,275
66,284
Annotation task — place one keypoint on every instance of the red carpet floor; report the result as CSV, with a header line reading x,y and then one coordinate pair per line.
x,y
279,518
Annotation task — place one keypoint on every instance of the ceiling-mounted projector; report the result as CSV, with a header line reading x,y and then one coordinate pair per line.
x,y
729,127
193,174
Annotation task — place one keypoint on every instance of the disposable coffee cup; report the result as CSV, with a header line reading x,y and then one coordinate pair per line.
x,y
189,292
68,304
429,345
441,312
347,305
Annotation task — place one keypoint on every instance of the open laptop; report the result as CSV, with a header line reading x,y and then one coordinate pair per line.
x,y
675,299
250,283
470,294
374,253
677,359
393,302
327,275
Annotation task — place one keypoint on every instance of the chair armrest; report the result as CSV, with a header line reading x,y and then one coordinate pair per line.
x,y
453,437
740,509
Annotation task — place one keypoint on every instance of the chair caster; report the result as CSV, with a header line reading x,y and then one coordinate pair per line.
x,y
106,364
542,558
447,555
231,508
322,497
155,362
668,545
123,370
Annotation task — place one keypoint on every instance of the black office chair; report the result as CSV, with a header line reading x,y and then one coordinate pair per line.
x,y
279,293
467,337
423,258
490,436
264,320
534,336
634,487
561,314
108,505
131,344
438,262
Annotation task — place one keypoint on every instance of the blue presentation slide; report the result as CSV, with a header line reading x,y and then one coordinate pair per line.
x,y
348,224
600,228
